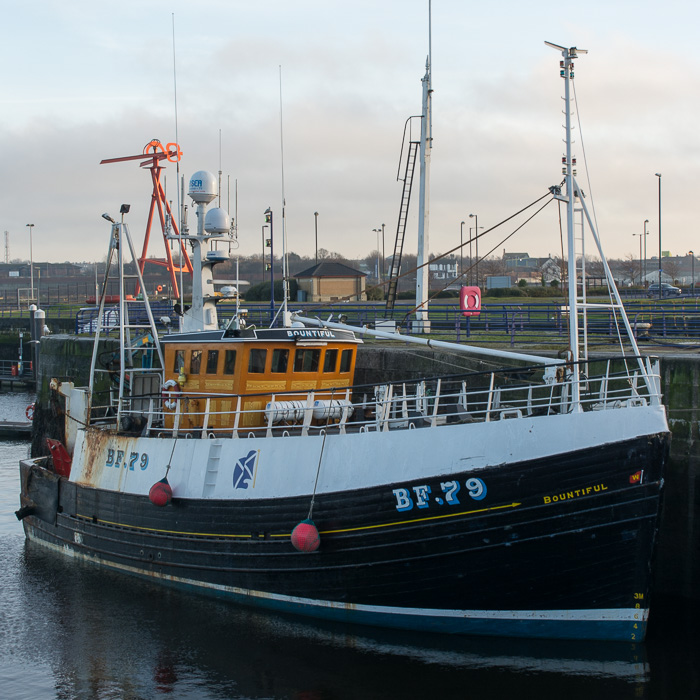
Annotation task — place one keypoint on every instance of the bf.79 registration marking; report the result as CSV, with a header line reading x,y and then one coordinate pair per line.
x,y
420,496
119,458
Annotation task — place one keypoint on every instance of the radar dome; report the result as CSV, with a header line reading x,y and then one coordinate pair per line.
x,y
217,221
203,187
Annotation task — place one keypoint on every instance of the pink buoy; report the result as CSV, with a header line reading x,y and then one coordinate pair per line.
x,y
305,537
161,494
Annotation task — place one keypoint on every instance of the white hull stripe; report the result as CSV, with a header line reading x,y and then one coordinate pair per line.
x,y
630,615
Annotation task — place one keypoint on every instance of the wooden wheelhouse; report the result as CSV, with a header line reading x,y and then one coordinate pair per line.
x,y
217,374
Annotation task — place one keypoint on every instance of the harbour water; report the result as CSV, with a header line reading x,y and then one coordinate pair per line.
x,y
69,630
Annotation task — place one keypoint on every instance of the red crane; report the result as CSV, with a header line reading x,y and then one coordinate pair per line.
x,y
152,161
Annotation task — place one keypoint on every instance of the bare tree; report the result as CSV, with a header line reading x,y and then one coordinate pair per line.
x,y
630,268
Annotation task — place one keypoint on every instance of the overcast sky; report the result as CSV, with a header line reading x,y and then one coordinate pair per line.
x,y
86,80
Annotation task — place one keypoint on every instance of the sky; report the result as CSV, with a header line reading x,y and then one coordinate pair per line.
x,y
84,81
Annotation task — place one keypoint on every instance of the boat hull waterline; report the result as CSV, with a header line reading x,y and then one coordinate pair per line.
x,y
557,544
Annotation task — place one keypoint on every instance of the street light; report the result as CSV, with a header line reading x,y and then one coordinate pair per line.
x,y
262,233
692,267
461,243
659,176
646,233
640,255
383,253
31,259
379,272
316,230
476,243
268,220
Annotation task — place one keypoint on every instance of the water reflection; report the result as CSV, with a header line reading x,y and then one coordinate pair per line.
x,y
70,631
104,635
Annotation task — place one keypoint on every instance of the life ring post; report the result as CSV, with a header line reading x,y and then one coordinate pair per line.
x,y
170,394
470,300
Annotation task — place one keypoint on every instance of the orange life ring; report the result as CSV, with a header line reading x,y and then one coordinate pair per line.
x,y
29,412
175,152
170,393
159,288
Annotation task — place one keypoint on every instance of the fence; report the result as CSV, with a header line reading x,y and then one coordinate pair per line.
x,y
661,323
507,324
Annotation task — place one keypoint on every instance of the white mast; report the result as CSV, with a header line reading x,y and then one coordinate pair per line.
x,y
567,73
426,139
214,224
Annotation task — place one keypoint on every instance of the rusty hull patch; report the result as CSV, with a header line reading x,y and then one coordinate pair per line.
x,y
93,469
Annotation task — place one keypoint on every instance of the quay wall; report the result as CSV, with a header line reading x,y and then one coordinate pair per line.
x,y
677,565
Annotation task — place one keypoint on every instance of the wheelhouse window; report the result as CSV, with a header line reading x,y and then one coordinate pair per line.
x,y
307,360
229,361
280,359
195,361
212,361
345,360
179,363
256,360
330,360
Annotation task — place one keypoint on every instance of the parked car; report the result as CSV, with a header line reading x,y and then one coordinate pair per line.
x,y
667,290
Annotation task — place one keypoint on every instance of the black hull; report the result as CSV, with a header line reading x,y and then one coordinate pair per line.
x,y
555,540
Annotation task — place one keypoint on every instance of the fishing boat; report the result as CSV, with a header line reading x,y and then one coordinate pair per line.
x,y
246,463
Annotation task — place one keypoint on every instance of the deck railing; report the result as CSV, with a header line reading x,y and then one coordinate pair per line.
x,y
477,397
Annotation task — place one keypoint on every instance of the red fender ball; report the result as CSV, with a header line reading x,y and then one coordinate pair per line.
x,y
161,494
305,537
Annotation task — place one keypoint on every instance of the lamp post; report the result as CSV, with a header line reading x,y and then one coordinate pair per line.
x,y
646,233
476,243
31,260
268,220
659,176
640,255
316,231
379,274
262,233
692,268
461,243
383,253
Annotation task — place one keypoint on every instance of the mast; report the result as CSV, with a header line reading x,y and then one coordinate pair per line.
x,y
426,139
567,73
211,225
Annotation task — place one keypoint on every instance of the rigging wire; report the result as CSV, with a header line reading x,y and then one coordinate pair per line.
x,y
616,320
449,252
498,245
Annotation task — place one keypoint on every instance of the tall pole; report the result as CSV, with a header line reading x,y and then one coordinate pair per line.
x,y
640,255
566,71
476,244
423,274
31,259
268,219
422,324
692,267
461,255
646,233
383,253
659,176
379,274
262,233
316,231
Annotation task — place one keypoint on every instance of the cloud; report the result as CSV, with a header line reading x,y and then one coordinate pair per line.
x,y
99,84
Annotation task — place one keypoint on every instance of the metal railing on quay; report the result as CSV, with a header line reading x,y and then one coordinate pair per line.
x,y
510,324
516,324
